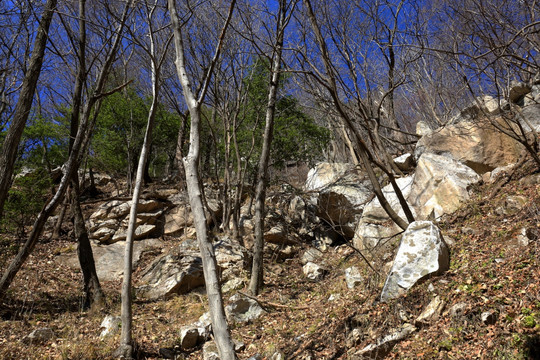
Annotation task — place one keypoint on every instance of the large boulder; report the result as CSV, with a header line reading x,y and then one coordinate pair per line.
x,y
440,185
342,194
109,259
175,273
476,143
375,227
422,252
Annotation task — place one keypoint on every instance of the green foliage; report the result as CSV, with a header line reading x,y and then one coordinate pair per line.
x,y
119,134
296,136
25,199
45,141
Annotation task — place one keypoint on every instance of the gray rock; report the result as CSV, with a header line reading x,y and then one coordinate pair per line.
x,y
422,128
189,337
422,252
313,271
518,90
385,344
431,313
233,284
311,255
353,277
242,309
210,351
375,229
39,336
342,194
172,274
109,259
110,326
458,309
440,185
489,317
405,162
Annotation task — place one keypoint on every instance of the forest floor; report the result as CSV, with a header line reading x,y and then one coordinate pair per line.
x,y
489,271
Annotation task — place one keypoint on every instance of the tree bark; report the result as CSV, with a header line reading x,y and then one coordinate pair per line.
x,y
24,104
93,294
194,185
256,280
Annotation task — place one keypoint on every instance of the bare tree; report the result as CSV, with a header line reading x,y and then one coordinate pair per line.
x,y
284,13
335,85
156,60
88,118
194,101
24,104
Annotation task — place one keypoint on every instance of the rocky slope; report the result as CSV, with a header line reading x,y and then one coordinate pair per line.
x,y
342,282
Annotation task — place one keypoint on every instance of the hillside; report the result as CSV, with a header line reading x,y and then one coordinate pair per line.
x,y
493,270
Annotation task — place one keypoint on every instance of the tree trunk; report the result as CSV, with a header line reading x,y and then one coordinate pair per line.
x,y
24,104
93,294
194,185
256,280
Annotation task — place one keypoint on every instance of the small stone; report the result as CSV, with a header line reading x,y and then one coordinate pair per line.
x,y
110,325
189,337
353,277
313,271
458,309
489,317
431,312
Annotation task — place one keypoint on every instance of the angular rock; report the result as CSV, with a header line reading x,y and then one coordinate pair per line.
x,y
431,313
210,351
375,228
189,337
172,274
242,309
313,271
477,144
177,219
440,185
422,252
311,255
39,336
278,235
530,117
489,317
353,277
405,162
518,90
110,326
384,345
422,128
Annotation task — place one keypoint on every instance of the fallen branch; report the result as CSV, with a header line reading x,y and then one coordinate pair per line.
x,y
266,304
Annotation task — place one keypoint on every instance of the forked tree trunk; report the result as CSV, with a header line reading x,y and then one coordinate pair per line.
x,y
194,185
